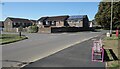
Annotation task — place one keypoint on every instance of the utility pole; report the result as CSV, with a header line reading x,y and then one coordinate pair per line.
x,y
111,18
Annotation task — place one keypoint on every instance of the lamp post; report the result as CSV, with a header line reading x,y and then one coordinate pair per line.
x,y
111,18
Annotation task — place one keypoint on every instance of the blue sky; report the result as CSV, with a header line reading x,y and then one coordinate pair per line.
x,y
35,10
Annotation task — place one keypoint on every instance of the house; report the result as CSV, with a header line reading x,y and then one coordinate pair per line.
x,y
12,24
41,22
63,23
91,24
34,22
47,23
78,21
54,21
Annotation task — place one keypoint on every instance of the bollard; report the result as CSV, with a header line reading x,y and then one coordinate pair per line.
x,y
108,34
117,33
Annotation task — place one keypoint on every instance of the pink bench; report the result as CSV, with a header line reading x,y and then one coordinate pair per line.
x,y
97,50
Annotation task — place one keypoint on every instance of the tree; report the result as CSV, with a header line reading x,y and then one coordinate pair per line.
x,y
117,24
103,16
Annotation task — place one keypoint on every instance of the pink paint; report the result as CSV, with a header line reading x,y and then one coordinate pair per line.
x,y
117,33
97,49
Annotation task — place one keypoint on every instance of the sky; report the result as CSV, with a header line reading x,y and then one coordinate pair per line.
x,y
35,10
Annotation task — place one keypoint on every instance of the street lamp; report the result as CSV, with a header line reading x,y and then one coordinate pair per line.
x,y
111,18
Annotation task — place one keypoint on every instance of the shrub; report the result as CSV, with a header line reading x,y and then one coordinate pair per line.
x,y
33,29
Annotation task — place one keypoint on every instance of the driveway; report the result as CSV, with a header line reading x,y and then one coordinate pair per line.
x,y
39,46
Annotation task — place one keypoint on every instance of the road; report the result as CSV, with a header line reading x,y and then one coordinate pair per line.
x,y
78,55
39,46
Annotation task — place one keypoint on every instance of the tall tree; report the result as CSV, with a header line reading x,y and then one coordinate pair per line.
x,y
103,16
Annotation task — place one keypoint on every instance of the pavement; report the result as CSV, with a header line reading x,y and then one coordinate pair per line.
x,y
39,46
78,55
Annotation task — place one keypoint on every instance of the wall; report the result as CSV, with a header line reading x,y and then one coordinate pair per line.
x,y
59,23
86,22
7,25
44,30
69,29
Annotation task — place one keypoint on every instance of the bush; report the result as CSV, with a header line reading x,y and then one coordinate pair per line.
x,y
33,29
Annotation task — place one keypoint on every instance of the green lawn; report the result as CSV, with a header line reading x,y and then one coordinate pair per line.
x,y
111,43
10,38
113,37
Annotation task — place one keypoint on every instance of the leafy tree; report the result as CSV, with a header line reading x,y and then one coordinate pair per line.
x,y
103,16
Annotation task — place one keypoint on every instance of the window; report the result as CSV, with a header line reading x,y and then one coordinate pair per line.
x,y
53,23
76,20
39,22
19,23
69,20
59,22
46,22
24,24
8,23
14,23
28,24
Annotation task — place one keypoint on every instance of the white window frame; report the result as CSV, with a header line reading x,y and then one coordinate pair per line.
x,y
47,23
39,23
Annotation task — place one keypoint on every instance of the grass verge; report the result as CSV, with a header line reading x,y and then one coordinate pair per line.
x,y
111,48
10,38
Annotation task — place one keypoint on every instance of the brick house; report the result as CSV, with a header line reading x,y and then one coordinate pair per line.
x,y
63,23
46,23
54,21
12,24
